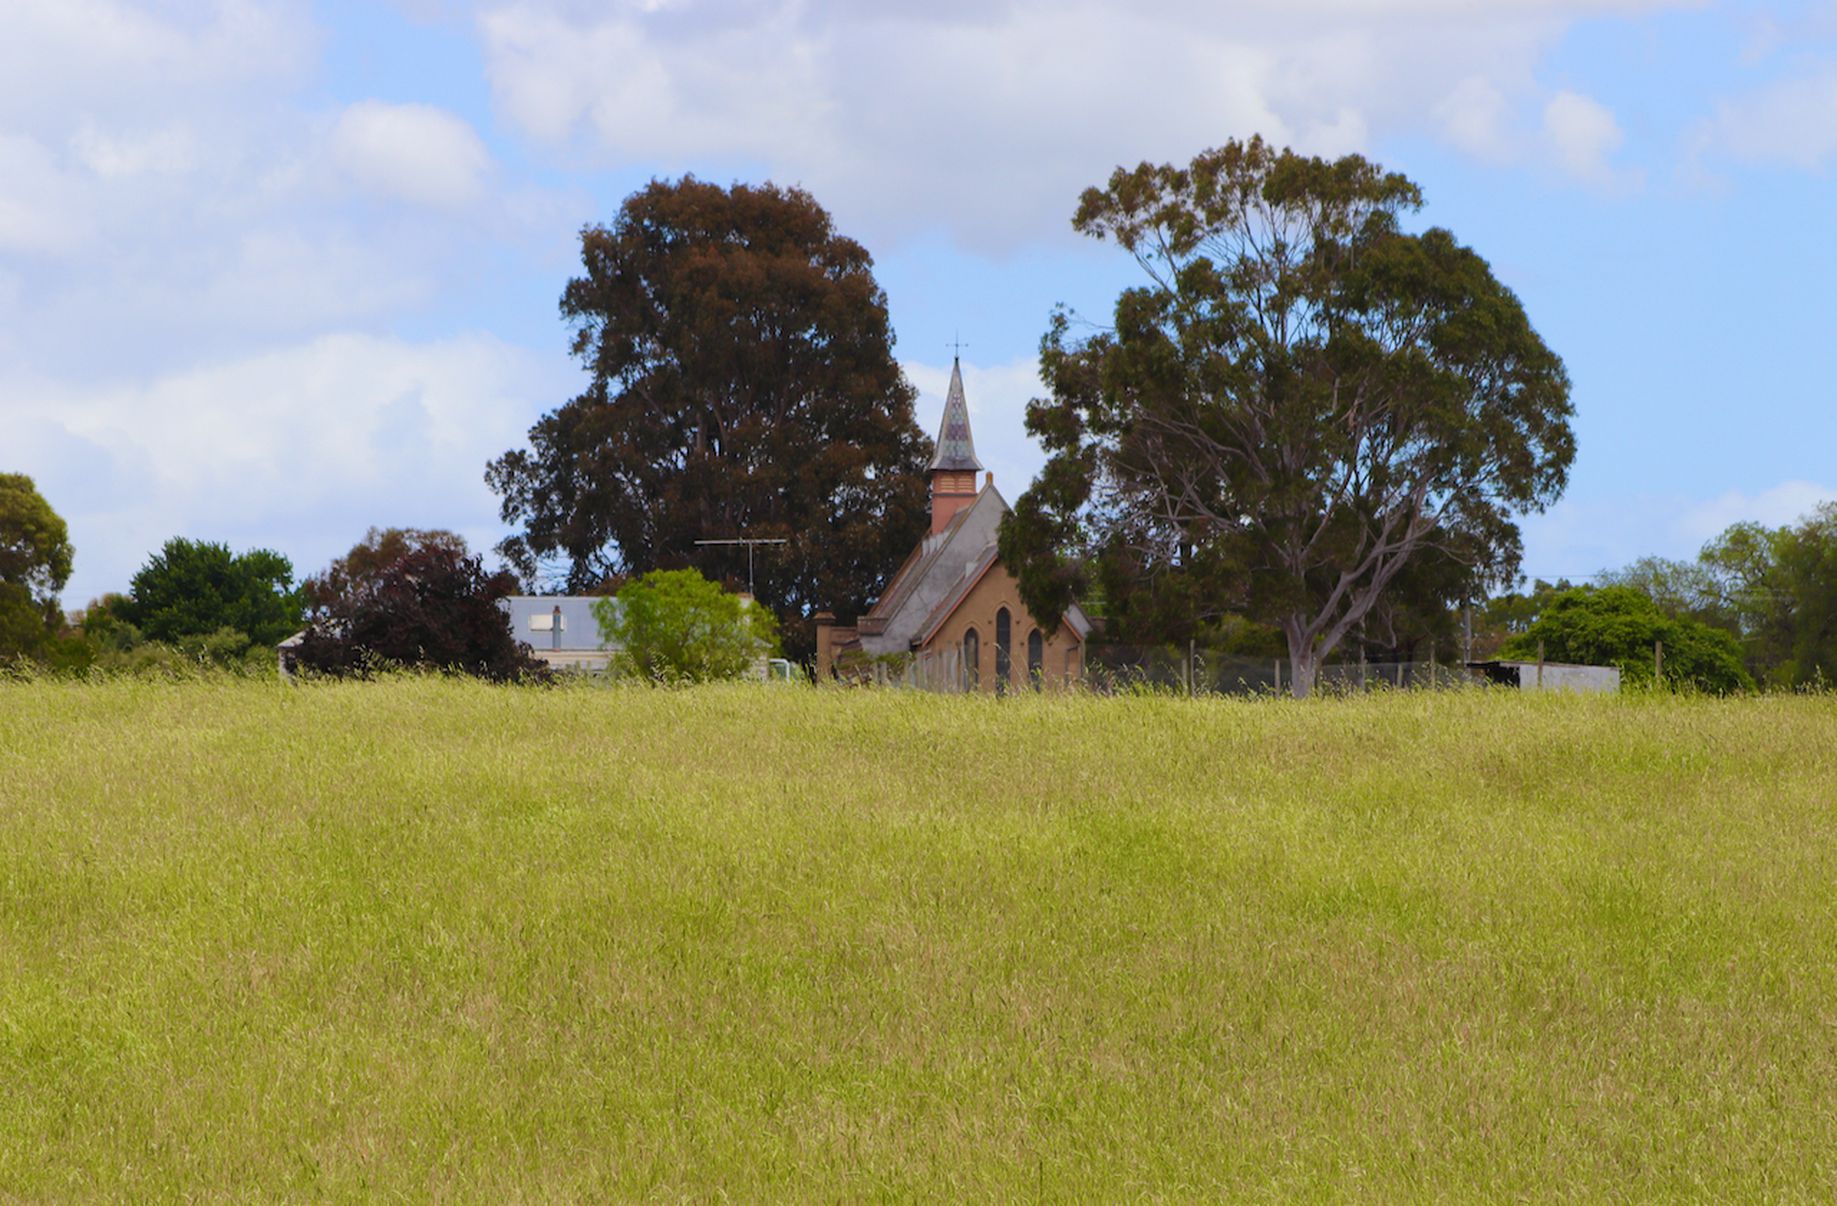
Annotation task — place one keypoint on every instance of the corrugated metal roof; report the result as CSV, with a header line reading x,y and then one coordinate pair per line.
x,y
956,450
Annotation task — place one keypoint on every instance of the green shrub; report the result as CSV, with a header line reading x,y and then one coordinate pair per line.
x,y
1619,626
677,626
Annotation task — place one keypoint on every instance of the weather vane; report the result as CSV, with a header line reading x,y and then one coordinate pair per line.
x,y
956,346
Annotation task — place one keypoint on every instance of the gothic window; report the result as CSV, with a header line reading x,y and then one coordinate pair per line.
x,y
1003,657
1036,658
972,660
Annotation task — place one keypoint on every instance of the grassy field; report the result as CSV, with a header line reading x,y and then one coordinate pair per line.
x,y
431,939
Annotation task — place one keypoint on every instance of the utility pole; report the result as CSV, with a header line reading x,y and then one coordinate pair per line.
x,y
750,542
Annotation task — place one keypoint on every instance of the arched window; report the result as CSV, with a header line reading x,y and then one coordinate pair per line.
x,y
972,661
1004,625
1036,658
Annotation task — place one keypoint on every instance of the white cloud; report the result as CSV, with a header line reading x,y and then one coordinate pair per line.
x,y
120,154
416,153
1472,118
300,447
1583,135
988,119
1793,122
108,56
1774,507
1581,536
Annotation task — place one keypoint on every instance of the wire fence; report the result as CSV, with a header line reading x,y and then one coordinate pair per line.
x,y
1119,669
1199,671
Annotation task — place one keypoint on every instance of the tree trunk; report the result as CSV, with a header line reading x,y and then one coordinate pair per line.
x,y
1304,667
1303,660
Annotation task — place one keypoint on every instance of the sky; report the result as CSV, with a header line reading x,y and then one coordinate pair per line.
x,y
275,271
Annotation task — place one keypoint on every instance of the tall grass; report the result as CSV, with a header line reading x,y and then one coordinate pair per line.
x,y
430,938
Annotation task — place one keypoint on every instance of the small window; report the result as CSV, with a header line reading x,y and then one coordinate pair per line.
x,y
542,623
1036,658
972,661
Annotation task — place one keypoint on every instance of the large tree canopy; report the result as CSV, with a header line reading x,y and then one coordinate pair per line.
x,y
35,560
1301,400
1780,587
371,558
743,383
1775,588
193,588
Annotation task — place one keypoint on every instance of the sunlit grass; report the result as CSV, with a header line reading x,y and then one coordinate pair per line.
x,y
432,938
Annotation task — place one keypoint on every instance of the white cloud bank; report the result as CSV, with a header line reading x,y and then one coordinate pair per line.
x,y
278,448
1575,539
1791,122
107,57
1774,507
987,119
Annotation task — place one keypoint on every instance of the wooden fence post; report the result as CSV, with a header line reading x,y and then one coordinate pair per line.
x,y
1540,665
1658,662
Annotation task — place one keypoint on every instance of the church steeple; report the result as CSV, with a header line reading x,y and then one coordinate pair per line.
x,y
954,468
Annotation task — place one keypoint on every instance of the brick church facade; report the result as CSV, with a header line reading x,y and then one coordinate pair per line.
x,y
952,614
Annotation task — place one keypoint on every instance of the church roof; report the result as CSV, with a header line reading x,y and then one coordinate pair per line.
x,y
938,577
954,598
956,451
928,562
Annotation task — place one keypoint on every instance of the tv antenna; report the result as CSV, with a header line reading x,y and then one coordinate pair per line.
x,y
750,542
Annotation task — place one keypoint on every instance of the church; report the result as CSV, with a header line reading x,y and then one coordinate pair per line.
x,y
951,618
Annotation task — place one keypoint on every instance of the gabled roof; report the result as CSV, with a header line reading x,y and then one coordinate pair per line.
x,y
954,599
956,451
935,558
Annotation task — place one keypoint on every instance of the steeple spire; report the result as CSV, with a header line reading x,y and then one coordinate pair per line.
x,y
954,468
956,451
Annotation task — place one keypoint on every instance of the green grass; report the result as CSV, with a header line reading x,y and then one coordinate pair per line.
x,y
437,939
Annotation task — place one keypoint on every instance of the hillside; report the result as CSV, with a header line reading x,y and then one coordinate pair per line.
x,y
431,938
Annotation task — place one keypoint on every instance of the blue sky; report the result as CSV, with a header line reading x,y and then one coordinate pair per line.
x,y
273,272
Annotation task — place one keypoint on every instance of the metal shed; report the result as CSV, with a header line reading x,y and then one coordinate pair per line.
x,y
1549,676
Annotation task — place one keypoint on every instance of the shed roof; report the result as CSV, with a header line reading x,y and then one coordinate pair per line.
x,y
580,628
